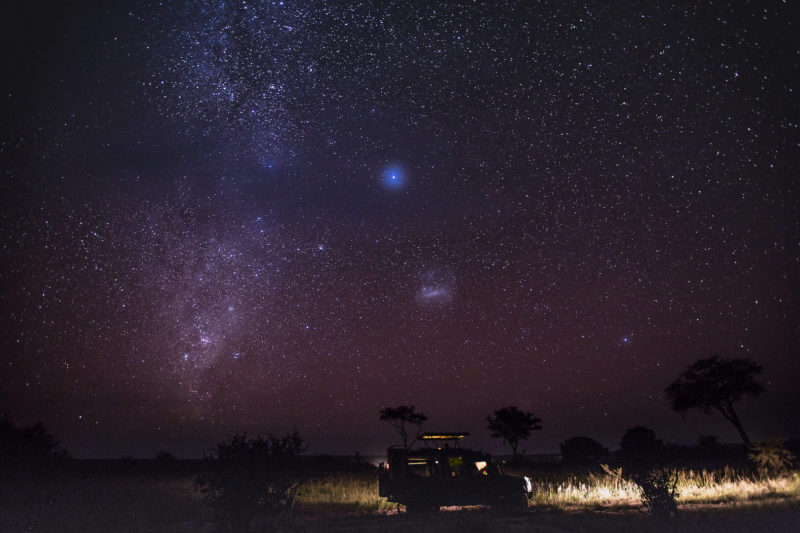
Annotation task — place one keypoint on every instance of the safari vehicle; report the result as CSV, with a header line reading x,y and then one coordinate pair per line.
x,y
440,474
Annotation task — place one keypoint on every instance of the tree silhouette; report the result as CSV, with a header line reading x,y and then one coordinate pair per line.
x,y
640,449
640,440
29,444
513,425
582,451
716,383
399,416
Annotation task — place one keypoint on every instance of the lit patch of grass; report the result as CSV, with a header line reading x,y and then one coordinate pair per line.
x,y
613,490
358,491
729,486
349,491
591,490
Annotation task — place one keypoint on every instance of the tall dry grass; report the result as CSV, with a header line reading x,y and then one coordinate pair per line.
x,y
348,491
103,499
613,489
358,491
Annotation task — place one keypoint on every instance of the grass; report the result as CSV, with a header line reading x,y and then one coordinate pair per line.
x,y
612,490
107,498
711,501
344,491
711,487
358,491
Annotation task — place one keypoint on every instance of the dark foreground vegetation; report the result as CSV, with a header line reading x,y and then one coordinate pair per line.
x,y
266,483
341,494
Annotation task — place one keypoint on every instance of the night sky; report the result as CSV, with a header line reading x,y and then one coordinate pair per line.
x,y
255,216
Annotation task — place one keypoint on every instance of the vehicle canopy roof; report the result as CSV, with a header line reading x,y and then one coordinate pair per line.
x,y
438,445
430,453
445,436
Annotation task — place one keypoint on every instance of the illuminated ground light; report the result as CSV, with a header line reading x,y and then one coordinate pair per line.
x,y
394,179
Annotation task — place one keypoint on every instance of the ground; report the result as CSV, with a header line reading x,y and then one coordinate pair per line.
x,y
701,519
149,497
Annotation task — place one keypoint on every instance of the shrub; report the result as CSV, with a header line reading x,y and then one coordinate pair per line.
x,y
165,457
252,482
28,445
640,440
709,442
640,450
582,451
659,490
771,457
644,458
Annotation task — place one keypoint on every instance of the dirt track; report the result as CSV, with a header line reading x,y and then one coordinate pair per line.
x,y
700,519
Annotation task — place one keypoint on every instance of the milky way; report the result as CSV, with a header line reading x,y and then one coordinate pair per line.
x,y
255,216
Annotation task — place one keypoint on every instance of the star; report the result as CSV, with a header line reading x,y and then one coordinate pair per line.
x,y
251,203
394,178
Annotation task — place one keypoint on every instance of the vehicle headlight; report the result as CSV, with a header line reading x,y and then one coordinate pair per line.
x,y
528,484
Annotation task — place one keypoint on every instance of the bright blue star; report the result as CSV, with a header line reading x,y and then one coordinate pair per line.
x,y
394,178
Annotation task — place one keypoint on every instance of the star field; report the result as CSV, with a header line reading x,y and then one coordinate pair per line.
x,y
255,216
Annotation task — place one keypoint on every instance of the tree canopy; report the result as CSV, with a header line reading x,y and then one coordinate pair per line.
x,y
399,416
640,444
716,383
582,450
513,425
28,444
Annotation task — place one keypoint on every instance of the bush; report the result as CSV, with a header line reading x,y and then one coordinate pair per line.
x,y
659,490
641,450
582,451
644,458
771,457
252,483
709,442
165,457
640,440
33,444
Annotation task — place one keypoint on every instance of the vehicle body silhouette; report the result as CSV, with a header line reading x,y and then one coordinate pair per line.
x,y
432,476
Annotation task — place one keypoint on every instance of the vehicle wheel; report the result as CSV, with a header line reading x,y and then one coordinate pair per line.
x,y
511,504
384,485
522,502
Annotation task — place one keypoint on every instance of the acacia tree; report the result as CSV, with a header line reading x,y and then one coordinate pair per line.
x,y
513,425
399,416
716,383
